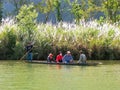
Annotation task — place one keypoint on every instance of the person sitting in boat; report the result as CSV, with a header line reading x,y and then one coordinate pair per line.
x,y
67,58
59,57
82,58
50,58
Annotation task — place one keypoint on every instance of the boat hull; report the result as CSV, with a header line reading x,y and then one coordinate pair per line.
x,y
73,64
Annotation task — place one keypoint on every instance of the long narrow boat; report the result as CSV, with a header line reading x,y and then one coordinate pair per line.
x,y
74,64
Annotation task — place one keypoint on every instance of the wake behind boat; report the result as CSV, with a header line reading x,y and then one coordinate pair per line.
x,y
74,64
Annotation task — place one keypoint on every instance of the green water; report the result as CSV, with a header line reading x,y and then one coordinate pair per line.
x,y
17,75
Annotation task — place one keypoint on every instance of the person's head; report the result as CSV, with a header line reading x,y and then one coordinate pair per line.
x,y
68,53
29,43
81,51
50,54
60,53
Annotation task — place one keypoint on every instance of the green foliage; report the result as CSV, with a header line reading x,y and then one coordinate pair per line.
x,y
83,9
57,4
101,20
112,9
96,40
45,7
19,51
8,40
11,40
77,11
48,6
110,37
26,20
96,44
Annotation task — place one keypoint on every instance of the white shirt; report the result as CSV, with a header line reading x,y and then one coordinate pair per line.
x,y
82,58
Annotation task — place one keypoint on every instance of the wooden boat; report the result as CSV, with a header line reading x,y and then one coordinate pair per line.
x,y
74,64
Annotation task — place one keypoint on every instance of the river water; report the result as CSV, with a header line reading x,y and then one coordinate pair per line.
x,y
18,75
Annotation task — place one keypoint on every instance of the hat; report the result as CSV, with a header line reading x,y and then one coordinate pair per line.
x,y
68,52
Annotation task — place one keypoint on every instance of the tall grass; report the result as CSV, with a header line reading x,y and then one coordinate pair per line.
x,y
97,40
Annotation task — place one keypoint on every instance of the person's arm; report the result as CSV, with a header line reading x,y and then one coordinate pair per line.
x,y
71,58
48,60
63,59
57,58
85,57
26,48
80,58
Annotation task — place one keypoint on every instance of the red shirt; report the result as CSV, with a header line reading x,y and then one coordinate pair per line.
x,y
59,58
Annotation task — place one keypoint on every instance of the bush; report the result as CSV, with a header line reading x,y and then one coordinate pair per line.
x,y
8,41
99,42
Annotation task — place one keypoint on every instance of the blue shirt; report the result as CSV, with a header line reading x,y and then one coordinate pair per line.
x,y
67,58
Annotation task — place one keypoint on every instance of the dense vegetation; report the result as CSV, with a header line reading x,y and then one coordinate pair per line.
x,y
99,39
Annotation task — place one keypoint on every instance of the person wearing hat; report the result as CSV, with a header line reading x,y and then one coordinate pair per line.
x,y
82,58
67,58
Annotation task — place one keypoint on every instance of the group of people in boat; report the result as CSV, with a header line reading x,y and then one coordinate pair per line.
x,y
67,58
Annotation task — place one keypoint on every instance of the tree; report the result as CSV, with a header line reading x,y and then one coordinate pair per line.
x,y
111,8
45,7
48,6
77,11
27,21
57,5
94,6
83,9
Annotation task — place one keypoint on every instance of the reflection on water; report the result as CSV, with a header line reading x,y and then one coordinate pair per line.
x,y
17,75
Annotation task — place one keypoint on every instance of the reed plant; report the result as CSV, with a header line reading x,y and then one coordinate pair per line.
x,y
98,41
